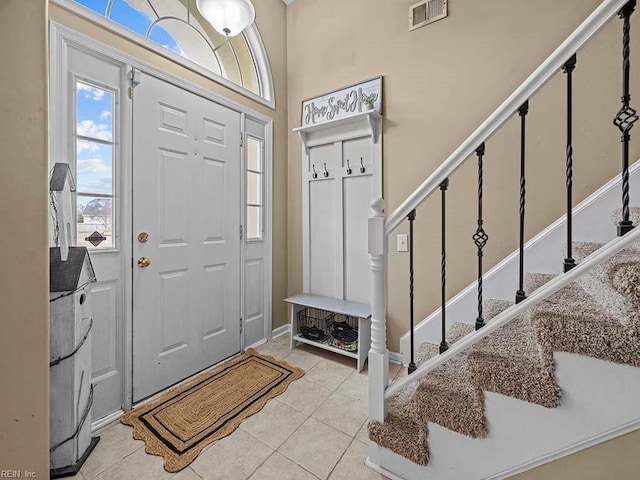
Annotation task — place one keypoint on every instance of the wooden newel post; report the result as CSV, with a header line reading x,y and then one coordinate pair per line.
x,y
378,355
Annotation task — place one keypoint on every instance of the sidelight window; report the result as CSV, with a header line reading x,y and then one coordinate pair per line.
x,y
95,147
255,188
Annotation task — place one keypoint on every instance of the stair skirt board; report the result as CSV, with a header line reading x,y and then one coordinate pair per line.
x,y
590,387
509,472
563,371
592,222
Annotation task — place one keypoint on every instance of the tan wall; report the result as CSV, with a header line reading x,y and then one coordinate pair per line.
x,y
270,19
24,276
440,83
24,317
616,459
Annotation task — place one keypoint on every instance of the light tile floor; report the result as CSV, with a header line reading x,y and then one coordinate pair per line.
x,y
316,430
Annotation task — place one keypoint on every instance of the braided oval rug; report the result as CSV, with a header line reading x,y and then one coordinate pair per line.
x,y
184,420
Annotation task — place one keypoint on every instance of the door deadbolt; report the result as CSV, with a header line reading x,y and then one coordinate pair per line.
x,y
143,237
144,262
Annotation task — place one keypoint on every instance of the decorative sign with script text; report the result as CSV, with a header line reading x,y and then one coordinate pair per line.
x,y
343,103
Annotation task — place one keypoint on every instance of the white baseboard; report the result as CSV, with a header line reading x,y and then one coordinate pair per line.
x,y
280,331
395,357
257,344
104,421
570,450
381,470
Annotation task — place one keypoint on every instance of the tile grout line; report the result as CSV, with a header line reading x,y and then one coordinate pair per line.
x,y
293,433
307,416
285,440
341,457
262,463
194,472
113,464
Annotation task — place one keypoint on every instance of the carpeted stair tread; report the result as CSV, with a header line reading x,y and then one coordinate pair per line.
x,y
596,316
533,281
581,250
425,352
428,350
614,283
493,307
634,215
405,428
447,396
571,321
509,361
401,432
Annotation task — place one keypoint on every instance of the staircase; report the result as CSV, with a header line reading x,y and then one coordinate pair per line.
x,y
531,381
478,394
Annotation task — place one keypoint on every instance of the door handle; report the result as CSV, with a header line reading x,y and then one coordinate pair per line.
x,y
144,262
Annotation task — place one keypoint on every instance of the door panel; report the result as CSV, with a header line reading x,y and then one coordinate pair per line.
x,y
186,183
106,346
256,295
253,300
103,310
86,79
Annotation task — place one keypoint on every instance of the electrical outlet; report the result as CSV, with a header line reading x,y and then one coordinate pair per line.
x,y
402,242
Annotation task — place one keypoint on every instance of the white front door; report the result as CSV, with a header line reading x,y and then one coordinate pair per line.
x,y
186,225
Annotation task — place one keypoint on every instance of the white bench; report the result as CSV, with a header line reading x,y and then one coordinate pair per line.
x,y
362,311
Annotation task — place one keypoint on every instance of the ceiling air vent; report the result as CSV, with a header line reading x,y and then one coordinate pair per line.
x,y
426,12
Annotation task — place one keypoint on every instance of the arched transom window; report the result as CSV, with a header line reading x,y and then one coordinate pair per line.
x,y
178,26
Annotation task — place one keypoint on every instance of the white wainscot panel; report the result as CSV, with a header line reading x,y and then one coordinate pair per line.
x,y
321,155
322,246
357,201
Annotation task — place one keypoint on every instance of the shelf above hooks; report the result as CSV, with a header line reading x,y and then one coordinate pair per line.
x,y
368,121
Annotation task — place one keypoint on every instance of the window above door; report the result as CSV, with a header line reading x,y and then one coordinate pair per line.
x,y
176,29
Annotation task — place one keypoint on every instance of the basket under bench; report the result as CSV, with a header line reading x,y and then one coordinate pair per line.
x,y
345,308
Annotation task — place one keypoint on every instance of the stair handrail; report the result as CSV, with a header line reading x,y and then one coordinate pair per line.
x,y
549,68
604,253
380,228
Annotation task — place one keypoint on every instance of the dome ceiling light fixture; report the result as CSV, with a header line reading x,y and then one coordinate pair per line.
x,y
228,17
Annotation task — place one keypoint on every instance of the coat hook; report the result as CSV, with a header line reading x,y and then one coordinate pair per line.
x,y
349,171
362,169
314,174
326,174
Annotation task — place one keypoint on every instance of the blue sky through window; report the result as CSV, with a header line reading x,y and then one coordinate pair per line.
x,y
139,22
94,120
99,6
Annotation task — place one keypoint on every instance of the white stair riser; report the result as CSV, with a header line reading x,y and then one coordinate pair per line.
x,y
599,401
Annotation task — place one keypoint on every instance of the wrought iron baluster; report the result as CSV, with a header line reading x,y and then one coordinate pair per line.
x,y
522,111
568,68
480,237
411,217
626,116
443,268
